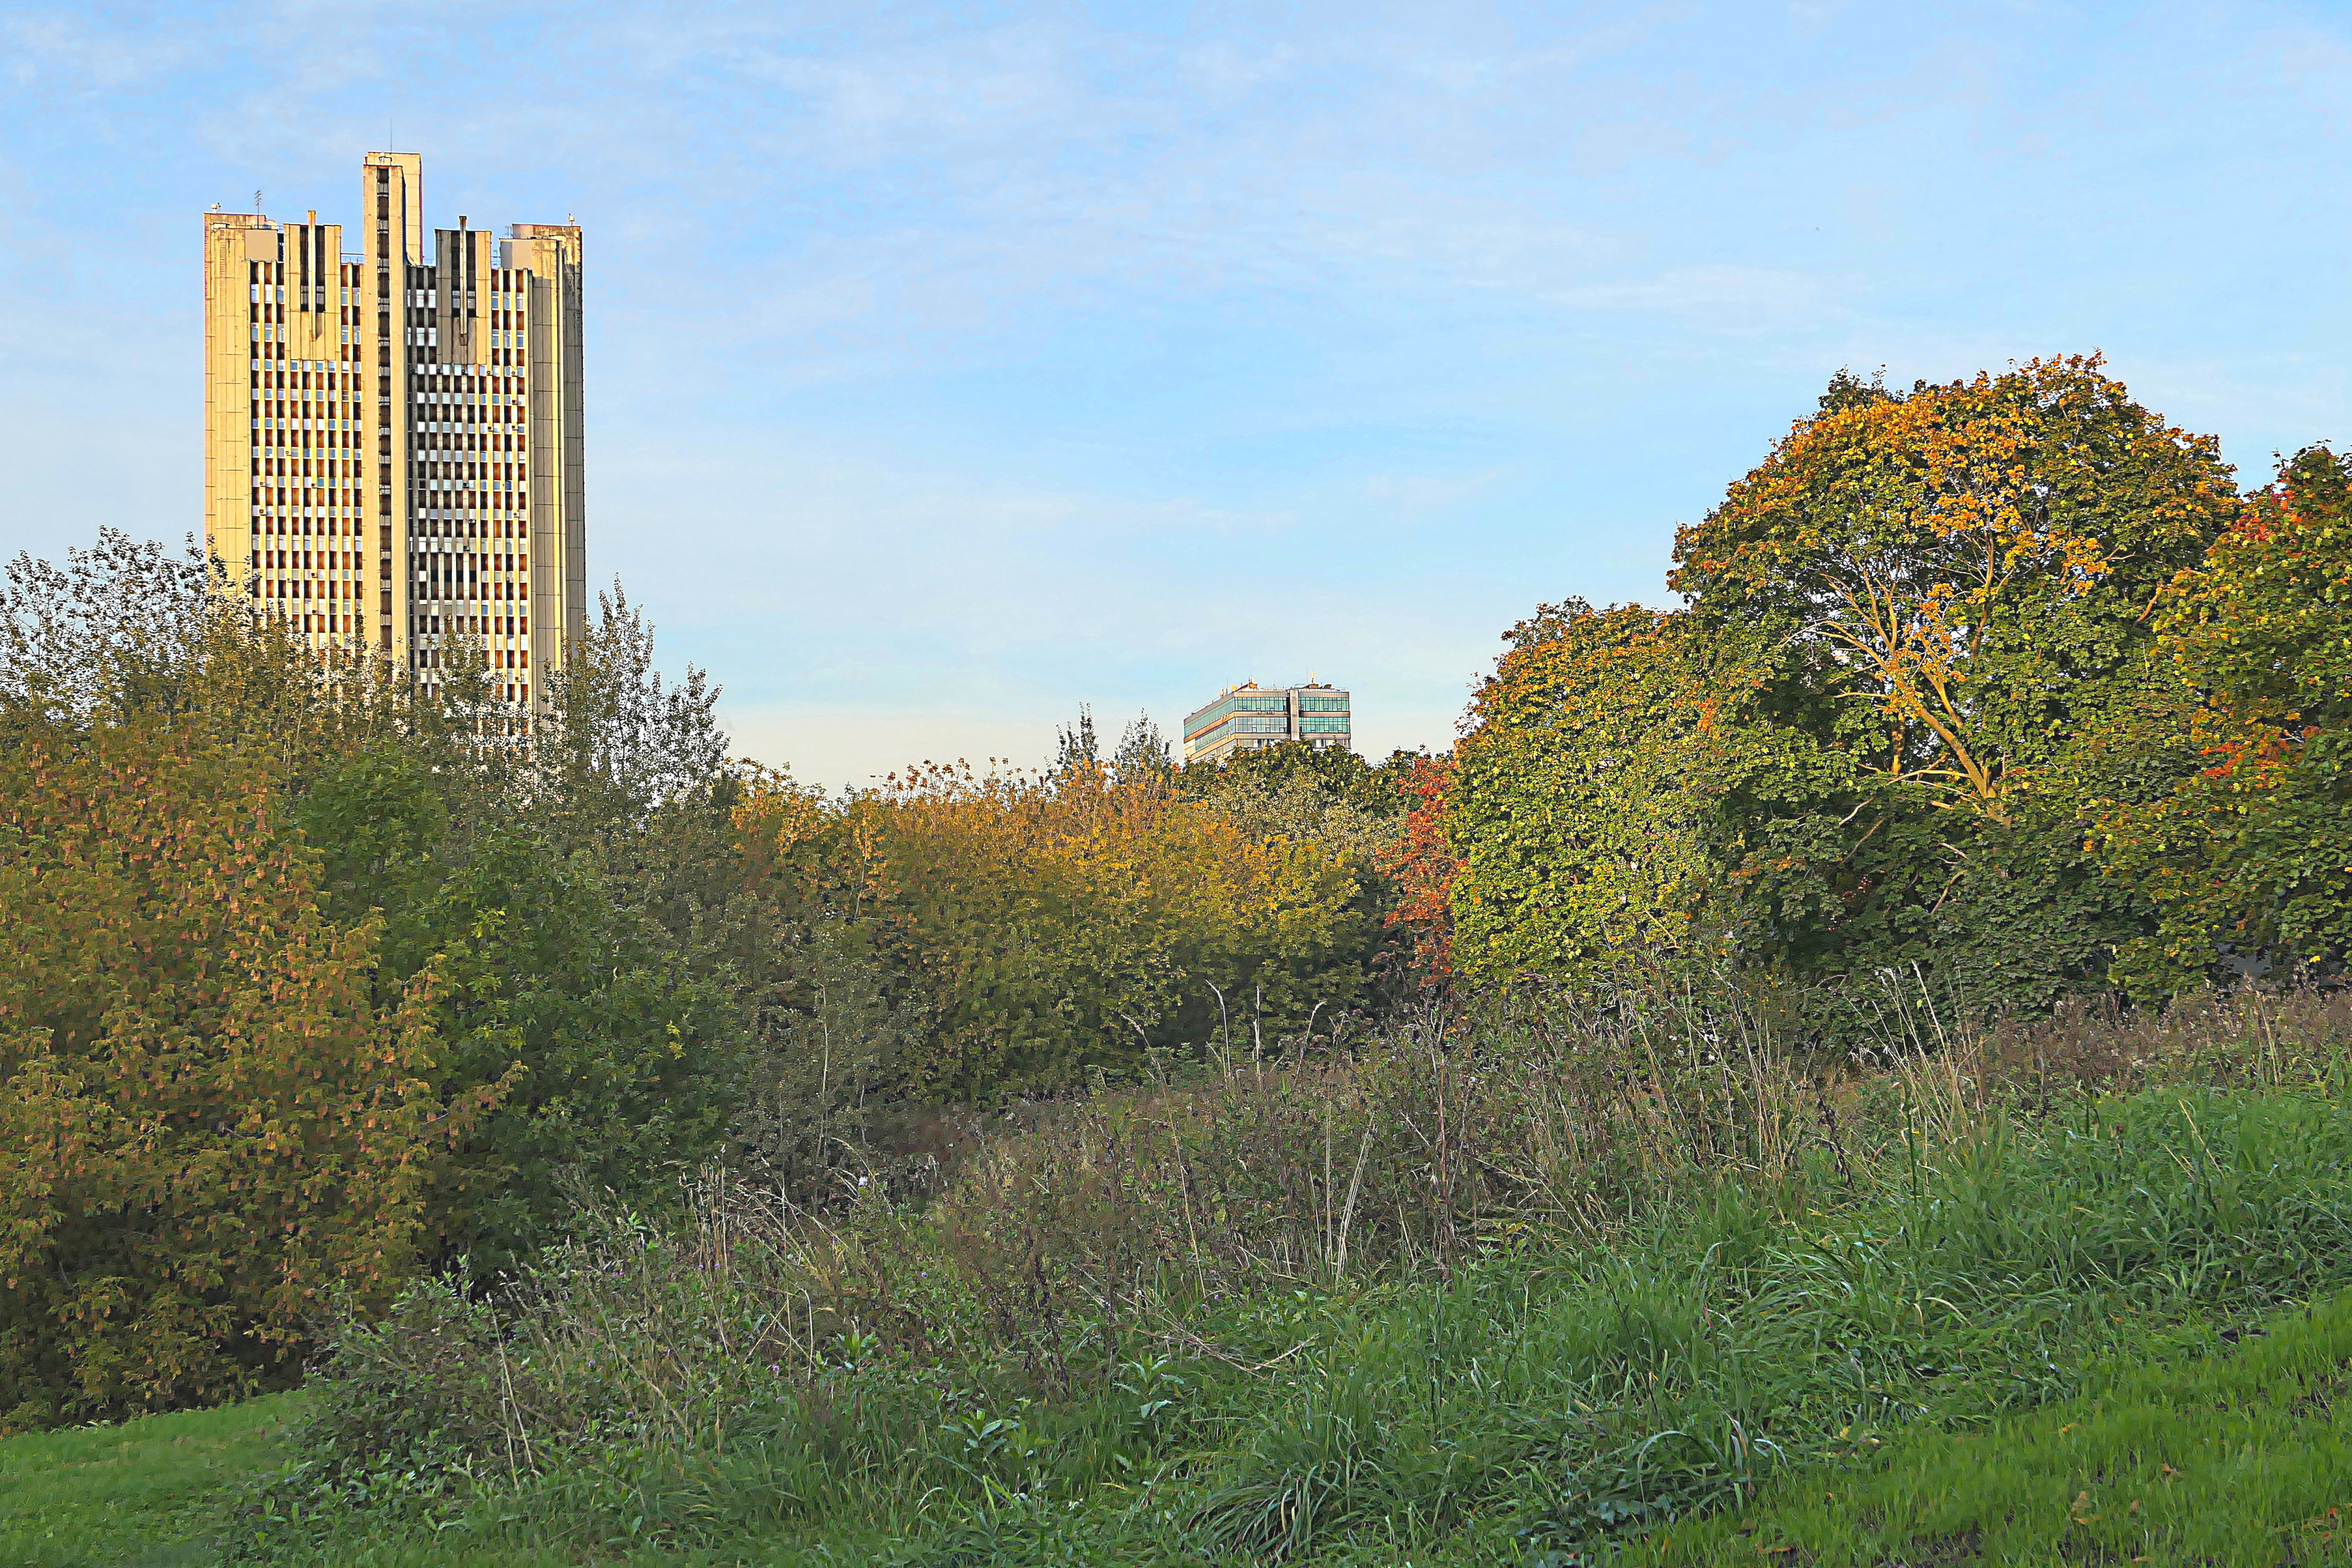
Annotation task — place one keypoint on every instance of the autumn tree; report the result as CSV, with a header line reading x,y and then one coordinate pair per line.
x,y
1422,865
1950,596
211,1125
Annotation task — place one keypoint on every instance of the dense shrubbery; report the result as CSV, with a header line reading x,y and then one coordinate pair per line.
x,y
212,1128
2245,859
1038,927
317,980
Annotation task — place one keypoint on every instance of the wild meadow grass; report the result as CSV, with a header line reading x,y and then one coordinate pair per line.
x,y
1531,1297
1545,1291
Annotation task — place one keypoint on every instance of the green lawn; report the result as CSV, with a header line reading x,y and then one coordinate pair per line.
x,y
2242,1457
147,1492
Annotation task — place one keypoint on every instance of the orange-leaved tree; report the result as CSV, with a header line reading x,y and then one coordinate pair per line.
x,y
209,1128
1423,865
1962,560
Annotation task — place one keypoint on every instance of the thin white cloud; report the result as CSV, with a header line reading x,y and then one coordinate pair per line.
x,y
65,49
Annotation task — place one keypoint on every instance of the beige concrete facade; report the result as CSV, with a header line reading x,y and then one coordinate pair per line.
x,y
393,437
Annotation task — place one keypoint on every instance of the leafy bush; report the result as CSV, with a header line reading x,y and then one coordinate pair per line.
x,y
213,1126
1037,928
1579,800
614,1064
2245,858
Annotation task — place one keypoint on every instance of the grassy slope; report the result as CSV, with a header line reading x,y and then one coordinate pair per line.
x,y
2242,1458
1428,1421
146,1493
153,1493
2238,1459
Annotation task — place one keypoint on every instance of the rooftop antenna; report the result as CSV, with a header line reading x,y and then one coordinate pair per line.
x,y
257,200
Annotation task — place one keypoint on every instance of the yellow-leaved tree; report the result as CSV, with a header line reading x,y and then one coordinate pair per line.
x,y
1024,931
207,1127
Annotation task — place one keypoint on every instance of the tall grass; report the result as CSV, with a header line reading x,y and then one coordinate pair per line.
x,y
1611,1388
1510,1281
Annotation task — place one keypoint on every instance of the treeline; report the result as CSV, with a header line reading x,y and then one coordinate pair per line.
x,y
314,979
2002,684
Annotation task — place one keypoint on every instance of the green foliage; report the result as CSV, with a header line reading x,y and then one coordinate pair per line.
x,y
379,816
113,632
1579,800
231,1104
2245,858
1376,790
821,1085
1954,585
2193,1450
1041,928
616,1066
614,1063
1347,808
1677,1374
1299,808
124,633
623,743
215,1123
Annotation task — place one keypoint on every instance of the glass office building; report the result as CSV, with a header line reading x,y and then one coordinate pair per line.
x,y
1249,715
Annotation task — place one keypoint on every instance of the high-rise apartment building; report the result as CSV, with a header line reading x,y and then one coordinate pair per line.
x,y
1249,715
393,429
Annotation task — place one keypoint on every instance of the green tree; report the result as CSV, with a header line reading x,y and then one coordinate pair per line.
x,y
2249,858
1579,797
614,1060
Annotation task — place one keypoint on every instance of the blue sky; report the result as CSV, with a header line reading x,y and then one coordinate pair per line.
x,y
950,365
